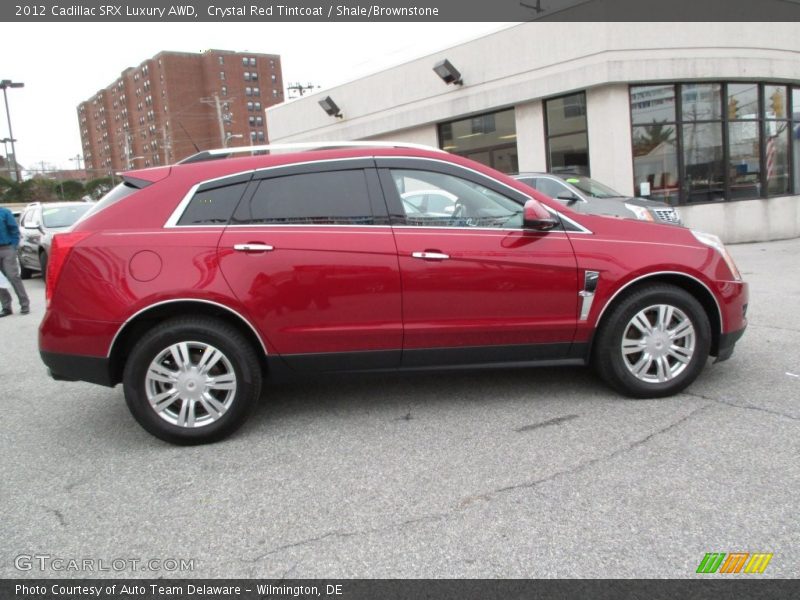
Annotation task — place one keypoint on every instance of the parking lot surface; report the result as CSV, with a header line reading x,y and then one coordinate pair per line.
x,y
509,473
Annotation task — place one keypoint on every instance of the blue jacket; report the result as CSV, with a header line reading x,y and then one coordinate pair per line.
x,y
9,230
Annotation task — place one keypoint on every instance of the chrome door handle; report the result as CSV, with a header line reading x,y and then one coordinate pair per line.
x,y
430,255
252,248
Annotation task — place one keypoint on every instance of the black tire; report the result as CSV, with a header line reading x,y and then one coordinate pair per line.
x,y
43,263
613,365
24,272
240,358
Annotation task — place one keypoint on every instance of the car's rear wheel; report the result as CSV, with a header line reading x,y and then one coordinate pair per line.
x,y
654,342
192,380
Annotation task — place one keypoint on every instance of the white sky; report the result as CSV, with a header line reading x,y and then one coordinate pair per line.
x,y
63,64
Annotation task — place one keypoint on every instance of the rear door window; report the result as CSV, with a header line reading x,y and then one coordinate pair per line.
x,y
321,198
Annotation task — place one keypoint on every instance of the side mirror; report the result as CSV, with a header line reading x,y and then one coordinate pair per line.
x,y
568,197
535,216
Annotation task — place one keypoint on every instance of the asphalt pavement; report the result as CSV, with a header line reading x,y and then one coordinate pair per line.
x,y
509,473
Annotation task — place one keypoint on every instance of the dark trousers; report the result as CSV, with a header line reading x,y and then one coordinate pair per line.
x,y
10,268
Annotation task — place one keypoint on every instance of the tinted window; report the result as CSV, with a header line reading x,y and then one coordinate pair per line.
x,y
213,207
452,201
63,216
329,198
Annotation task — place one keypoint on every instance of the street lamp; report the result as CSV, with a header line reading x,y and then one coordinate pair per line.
x,y
330,107
229,136
5,84
132,159
5,151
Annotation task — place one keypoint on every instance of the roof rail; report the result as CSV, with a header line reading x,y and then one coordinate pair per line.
x,y
322,145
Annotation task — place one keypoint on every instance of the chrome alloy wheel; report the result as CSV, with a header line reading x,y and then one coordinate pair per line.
x,y
190,384
658,343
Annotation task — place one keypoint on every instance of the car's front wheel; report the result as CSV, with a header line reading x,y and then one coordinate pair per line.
x,y
192,380
654,342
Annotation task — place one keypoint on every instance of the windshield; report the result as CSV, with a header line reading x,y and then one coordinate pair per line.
x,y
590,187
63,216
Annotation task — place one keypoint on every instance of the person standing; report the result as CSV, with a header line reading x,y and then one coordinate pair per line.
x,y
9,265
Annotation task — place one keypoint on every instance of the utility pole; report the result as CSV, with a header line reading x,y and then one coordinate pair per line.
x,y
127,148
166,145
221,117
5,84
7,164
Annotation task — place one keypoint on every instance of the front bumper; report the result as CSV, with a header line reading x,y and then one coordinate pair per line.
x,y
727,341
75,367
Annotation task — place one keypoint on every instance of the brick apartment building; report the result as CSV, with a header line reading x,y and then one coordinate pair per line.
x,y
156,113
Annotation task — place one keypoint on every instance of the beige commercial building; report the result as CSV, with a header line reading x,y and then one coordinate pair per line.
x,y
705,116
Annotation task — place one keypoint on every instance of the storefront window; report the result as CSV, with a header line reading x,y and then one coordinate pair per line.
x,y
567,137
655,142
655,161
796,138
490,139
701,101
776,157
775,102
653,104
742,101
703,162
721,141
745,160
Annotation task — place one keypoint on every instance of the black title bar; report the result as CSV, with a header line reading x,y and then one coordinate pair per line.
x,y
732,588
398,10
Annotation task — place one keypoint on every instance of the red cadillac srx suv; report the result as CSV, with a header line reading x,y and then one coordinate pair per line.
x,y
191,284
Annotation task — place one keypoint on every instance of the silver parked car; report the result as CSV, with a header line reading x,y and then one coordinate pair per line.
x,y
582,194
38,223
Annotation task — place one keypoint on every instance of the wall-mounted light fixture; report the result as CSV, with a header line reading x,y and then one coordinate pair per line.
x,y
448,73
330,107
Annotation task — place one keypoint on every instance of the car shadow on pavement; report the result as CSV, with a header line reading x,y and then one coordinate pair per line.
x,y
397,394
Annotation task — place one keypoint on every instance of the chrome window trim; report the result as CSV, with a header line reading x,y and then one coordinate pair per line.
x,y
312,162
452,164
581,228
294,146
656,273
172,221
172,301
176,215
